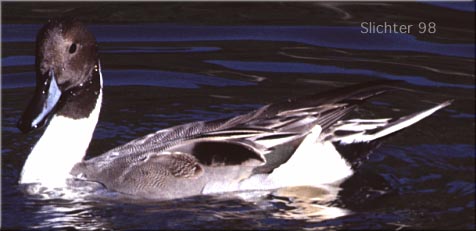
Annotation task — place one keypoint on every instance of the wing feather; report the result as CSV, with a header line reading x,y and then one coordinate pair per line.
x,y
259,130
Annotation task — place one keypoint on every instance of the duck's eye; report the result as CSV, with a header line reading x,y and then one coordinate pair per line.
x,y
72,48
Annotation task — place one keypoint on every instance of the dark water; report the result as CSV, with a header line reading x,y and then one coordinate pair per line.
x,y
171,63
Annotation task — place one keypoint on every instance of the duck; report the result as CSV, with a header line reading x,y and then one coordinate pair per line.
x,y
299,141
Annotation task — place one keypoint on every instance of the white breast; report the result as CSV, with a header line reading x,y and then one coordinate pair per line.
x,y
62,145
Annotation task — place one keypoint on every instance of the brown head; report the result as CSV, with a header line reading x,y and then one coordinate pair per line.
x,y
67,73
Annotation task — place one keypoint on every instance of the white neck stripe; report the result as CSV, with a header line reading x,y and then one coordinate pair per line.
x,y
62,145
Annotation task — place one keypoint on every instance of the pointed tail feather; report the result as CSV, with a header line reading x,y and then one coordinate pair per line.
x,y
359,130
355,139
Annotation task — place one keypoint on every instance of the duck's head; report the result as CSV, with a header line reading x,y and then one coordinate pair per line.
x,y
67,64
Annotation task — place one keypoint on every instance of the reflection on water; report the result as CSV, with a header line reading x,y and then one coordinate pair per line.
x,y
309,203
56,216
321,69
173,63
304,204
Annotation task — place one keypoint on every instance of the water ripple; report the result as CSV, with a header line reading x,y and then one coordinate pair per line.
x,y
286,67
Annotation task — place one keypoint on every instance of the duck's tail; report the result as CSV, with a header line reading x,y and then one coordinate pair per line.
x,y
355,138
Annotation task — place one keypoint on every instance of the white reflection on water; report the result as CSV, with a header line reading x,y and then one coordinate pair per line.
x,y
77,217
61,214
309,203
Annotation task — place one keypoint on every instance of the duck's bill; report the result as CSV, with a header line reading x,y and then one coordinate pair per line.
x,y
47,95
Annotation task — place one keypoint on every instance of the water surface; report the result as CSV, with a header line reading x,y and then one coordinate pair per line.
x,y
166,64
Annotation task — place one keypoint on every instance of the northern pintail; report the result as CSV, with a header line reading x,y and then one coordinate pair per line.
x,y
291,143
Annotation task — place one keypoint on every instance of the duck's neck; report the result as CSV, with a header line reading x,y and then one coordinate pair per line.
x,y
62,145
